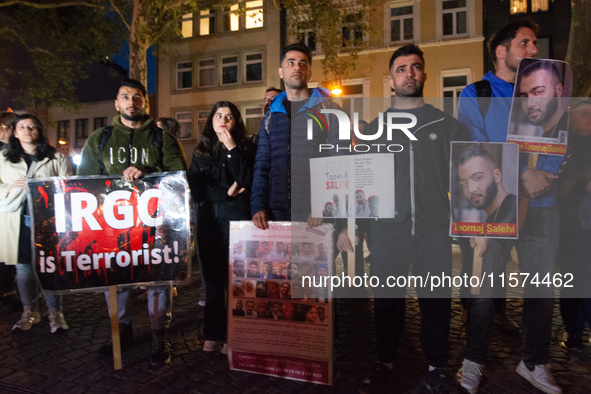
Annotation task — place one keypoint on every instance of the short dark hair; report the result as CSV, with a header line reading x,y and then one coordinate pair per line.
x,y
407,50
171,126
6,118
273,89
506,34
299,47
132,83
539,64
477,152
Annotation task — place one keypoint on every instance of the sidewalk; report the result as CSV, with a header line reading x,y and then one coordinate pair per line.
x,y
39,362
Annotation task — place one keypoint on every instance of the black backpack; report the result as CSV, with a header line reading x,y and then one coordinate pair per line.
x,y
483,90
106,134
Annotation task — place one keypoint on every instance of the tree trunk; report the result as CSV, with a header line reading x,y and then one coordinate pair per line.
x,y
579,47
138,47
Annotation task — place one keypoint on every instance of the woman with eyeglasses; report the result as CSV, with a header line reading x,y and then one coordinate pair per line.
x,y
220,178
28,155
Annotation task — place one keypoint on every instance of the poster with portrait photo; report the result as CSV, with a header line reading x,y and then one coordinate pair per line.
x,y
484,183
282,330
538,121
360,186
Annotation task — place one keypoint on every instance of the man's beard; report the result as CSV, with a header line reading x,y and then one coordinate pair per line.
x,y
132,118
488,198
414,91
550,110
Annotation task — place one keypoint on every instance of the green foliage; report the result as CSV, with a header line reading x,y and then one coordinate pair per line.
x,y
51,48
338,26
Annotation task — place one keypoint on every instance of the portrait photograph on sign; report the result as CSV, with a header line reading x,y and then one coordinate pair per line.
x,y
539,111
483,189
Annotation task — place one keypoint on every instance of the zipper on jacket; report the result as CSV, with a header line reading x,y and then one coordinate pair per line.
x,y
412,186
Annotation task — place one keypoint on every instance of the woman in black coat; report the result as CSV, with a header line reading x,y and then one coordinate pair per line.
x,y
220,178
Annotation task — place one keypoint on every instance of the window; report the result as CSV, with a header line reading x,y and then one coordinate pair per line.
x,y
63,130
254,15
351,31
202,120
252,118
229,70
184,75
453,82
455,13
308,38
206,73
100,122
206,22
254,67
520,6
81,132
231,19
401,24
187,26
185,121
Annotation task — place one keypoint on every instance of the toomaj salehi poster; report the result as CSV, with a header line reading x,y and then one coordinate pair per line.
x,y
359,186
483,189
100,231
279,320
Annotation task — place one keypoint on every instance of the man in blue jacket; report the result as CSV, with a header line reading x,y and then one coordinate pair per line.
x,y
537,247
272,189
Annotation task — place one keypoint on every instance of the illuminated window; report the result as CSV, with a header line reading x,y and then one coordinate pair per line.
x,y
187,26
202,120
254,14
539,5
252,119
185,120
401,24
231,19
229,70
518,6
63,130
455,15
453,82
81,132
206,72
306,35
253,62
351,31
184,75
206,22
100,122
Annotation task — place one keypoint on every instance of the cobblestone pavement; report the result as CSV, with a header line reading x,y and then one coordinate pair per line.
x,y
39,362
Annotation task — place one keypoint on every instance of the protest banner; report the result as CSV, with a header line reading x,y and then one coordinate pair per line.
x,y
359,186
279,319
98,231
538,121
483,189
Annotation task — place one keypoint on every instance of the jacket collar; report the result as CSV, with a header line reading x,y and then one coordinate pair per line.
x,y
317,96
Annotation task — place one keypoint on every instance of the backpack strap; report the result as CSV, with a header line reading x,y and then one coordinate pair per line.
x,y
105,135
483,90
158,141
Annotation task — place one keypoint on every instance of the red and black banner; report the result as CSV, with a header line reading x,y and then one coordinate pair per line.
x,y
100,231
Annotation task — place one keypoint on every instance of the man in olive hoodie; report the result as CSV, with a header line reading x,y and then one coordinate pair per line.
x,y
132,151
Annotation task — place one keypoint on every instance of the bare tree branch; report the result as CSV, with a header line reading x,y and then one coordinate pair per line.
x,y
121,15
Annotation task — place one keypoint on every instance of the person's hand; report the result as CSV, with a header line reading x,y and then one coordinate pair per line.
x,y
260,220
226,138
484,245
19,184
344,243
314,222
537,183
133,173
233,190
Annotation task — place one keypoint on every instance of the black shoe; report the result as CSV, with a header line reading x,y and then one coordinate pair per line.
x,y
377,383
160,347
125,339
437,382
573,346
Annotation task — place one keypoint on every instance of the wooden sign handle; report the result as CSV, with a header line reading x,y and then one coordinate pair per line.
x,y
477,265
351,255
117,364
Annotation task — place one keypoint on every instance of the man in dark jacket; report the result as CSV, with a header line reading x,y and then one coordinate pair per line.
x,y
131,151
272,189
419,231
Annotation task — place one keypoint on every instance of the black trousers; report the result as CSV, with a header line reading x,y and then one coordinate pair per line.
x,y
393,252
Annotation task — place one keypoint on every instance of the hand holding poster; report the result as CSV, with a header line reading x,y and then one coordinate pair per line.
x,y
484,184
360,186
279,324
539,117
101,230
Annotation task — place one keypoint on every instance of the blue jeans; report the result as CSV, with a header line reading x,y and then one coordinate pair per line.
x,y
537,250
159,305
26,278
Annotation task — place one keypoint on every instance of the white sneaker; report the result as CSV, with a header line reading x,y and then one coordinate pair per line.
x,y
57,322
540,377
212,346
29,317
469,376
224,349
